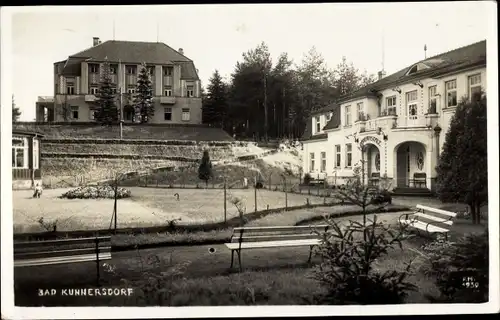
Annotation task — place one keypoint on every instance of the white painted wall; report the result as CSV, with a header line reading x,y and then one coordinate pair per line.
x,y
422,135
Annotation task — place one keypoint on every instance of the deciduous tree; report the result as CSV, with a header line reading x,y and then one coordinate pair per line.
x,y
16,112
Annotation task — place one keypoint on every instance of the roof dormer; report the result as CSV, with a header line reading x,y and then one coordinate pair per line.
x,y
416,68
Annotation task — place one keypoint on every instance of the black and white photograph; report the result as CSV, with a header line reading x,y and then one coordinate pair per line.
x,y
300,159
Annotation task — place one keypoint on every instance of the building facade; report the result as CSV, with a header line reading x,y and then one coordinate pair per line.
x,y
175,81
395,128
26,165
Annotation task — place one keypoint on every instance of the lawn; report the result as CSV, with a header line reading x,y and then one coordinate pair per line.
x,y
194,276
147,207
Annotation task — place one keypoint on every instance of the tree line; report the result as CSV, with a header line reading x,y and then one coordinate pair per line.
x,y
264,100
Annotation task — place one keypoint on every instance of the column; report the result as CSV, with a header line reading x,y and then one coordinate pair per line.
x,y
431,160
84,76
158,81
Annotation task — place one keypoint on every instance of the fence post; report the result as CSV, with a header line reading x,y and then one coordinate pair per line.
x,y
255,192
286,194
225,202
97,259
115,205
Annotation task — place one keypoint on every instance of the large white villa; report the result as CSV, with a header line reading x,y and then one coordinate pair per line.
x,y
397,124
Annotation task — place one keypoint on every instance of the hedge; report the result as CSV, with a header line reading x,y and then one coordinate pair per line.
x,y
147,142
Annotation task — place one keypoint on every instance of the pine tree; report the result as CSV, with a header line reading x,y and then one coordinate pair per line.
x,y
106,111
16,112
205,169
462,174
143,99
215,105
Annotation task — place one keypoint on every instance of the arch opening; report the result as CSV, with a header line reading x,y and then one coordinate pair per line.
x,y
411,166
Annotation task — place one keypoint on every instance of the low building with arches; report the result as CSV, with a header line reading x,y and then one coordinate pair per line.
x,y
395,127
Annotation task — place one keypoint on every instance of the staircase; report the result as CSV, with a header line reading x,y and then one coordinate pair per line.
x,y
412,192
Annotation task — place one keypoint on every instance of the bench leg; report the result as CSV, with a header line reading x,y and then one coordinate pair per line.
x,y
232,258
310,254
239,258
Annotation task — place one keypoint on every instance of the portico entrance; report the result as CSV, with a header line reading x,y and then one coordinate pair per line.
x,y
411,165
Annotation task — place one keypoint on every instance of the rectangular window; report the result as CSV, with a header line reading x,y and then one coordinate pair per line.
x,y
311,166
113,69
390,107
168,71
168,91
94,90
186,116
432,100
167,114
131,69
475,87
131,90
412,96
348,155
70,89
190,91
35,154
19,152
451,93
348,115
318,124
323,161
411,104
360,111
74,112
337,156
93,68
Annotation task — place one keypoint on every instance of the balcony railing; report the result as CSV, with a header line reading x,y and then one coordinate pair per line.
x,y
90,98
411,121
167,100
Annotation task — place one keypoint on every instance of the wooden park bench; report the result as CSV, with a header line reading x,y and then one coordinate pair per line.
x,y
420,180
47,252
274,237
429,219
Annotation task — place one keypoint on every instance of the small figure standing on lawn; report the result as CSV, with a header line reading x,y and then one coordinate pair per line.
x,y
205,169
38,191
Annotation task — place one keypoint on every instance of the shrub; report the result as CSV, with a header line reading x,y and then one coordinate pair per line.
x,y
461,269
347,271
307,179
96,192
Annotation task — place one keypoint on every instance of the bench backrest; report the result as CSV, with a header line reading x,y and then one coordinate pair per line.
x,y
256,234
61,251
435,216
375,174
419,175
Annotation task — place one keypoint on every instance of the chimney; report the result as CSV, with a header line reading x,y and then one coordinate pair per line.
x,y
181,51
381,74
95,41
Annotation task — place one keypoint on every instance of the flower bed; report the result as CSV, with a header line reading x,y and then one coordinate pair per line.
x,y
96,192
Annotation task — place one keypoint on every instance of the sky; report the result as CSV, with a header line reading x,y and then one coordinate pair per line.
x,y
215,36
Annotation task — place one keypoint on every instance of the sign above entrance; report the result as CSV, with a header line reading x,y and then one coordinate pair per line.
x,y
371,139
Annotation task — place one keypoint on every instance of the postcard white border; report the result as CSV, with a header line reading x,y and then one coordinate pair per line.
x,y
9,311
